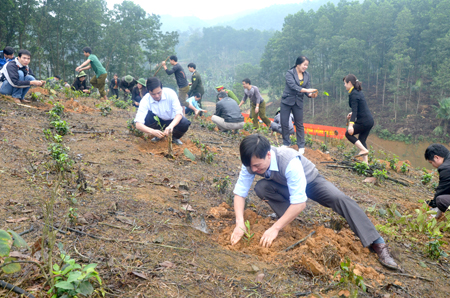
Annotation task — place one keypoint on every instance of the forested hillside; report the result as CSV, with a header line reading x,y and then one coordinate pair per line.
x,y
398,49
126,39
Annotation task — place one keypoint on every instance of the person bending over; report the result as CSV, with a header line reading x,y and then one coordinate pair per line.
x,y
193,107
439,157
228,114
98,81
160,113
289,179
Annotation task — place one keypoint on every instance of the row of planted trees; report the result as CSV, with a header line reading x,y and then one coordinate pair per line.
x,y
126,38
398,48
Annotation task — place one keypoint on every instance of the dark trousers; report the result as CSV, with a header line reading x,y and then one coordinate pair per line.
x,y
285,113
443,202
326,194
136,99
178,131
115,93
361,130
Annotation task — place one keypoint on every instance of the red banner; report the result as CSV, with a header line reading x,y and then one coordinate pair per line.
x,y
316,129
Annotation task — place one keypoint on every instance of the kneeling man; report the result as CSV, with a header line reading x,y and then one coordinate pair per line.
x,y
163,103
17,77
228,114
289,179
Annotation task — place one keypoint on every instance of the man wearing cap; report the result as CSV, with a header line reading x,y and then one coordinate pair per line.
x,y
160,113
196,84
257,104
180,76
98,81
193,105
126,84
275,126
79,84
114,85
229,93
6,55
139,92
18,78
228,114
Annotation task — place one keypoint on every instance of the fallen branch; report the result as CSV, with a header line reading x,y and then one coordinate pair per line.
x,y
302,240
112,226
8,286
406,275
93,131
27,231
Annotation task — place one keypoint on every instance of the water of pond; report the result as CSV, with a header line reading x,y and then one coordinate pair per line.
x,y
412,152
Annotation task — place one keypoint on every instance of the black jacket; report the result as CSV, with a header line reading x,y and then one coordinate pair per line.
x,y
360,110
444,181
229,110
79,85
10,72
136,95
291,93
124,85
180,76
112,84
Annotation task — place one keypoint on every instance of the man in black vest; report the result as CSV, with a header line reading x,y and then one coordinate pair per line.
x,y
289,180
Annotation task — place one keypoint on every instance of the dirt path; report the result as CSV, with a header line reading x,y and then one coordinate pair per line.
x,y
129,180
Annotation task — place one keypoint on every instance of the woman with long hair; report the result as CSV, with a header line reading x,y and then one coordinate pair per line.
x,y
360,119
298,84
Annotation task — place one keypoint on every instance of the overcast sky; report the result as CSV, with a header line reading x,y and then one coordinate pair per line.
x,y
203,9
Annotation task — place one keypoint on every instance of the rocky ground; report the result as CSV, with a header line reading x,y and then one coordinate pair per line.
x,y
160,227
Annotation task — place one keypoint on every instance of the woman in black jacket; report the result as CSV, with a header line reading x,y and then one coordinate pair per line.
x,y
298,84
79,84
360,118
139,92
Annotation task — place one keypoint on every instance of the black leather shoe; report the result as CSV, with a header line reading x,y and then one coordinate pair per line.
x,y
384,256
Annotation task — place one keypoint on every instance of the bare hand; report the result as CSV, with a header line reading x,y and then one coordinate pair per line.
x,y
164,63
350,130
237,233
168,130
78,69
268,237
158,133
136,103
314,94
349,116
256,110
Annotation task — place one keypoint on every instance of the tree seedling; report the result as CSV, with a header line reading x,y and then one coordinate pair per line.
x,y
248,235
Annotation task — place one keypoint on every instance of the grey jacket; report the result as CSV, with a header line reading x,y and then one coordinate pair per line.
x,y
284,156
291,93
229,110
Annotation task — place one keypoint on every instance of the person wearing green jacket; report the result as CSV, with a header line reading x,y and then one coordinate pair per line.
x,y
229,93
196,84
98,81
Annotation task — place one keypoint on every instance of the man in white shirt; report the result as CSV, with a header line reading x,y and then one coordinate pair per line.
x,y
160,113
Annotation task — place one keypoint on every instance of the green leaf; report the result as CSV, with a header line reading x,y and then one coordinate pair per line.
x,y
188,154
422,264
382,212
65,285
326,93
18,240
73,276
5,243
11,268
56,267
85,288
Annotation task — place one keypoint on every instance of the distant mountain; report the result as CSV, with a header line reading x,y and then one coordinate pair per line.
x,y
269,18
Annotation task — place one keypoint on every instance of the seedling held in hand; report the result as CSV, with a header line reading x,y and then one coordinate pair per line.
x,y
248,235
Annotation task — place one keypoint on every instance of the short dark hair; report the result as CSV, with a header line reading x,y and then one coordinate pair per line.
x,y
87,50
58,77
116,75
253,145
8,51
153,83
24,52
247,81
197,95
222,94
174,58
192,65
436,149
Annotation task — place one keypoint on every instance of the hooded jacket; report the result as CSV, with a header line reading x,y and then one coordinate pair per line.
x,y
10,72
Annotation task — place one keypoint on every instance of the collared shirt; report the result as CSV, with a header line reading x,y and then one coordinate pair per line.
x,y
166,109
295,176
193,102
253,94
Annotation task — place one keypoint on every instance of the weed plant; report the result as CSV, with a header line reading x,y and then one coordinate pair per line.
x,y
381,175
207,156
222,184
131,125
433,248
348,276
